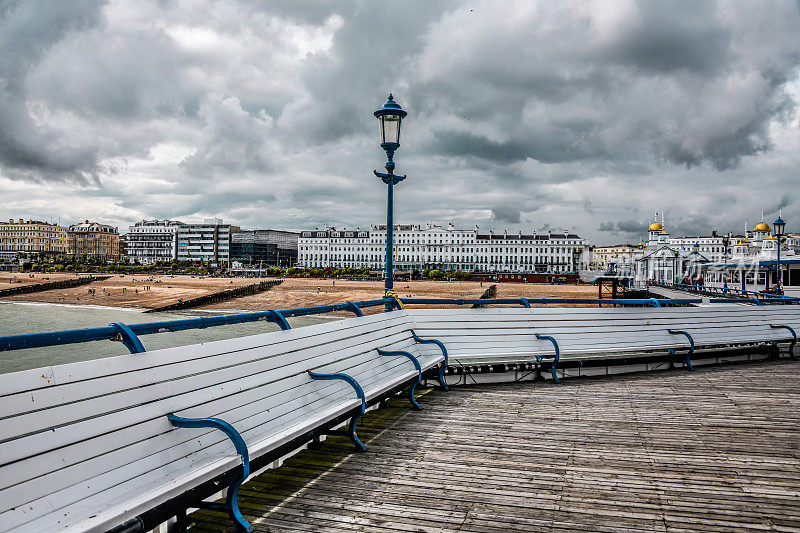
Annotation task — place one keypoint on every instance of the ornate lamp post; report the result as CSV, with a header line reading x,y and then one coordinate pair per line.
x,y
778,226
390,117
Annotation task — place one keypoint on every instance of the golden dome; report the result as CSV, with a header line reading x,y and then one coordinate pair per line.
x,y
656,226
762,226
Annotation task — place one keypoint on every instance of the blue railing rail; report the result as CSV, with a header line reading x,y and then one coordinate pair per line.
x,y
725,292
523,301
71,336
128,333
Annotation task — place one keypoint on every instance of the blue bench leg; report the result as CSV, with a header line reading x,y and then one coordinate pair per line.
x,y
412,400
353,434
555,357
687,360
440,378
351,431
231,504
792,342
441,346
415,361
672,351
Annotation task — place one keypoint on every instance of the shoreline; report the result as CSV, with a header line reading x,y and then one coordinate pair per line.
x,y
73,306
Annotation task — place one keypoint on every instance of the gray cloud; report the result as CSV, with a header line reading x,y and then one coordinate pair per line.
x,y
671,36
632,226
610,227
31,148
785,201
506,213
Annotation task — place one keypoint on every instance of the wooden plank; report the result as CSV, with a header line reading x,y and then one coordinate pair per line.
x,y
714,450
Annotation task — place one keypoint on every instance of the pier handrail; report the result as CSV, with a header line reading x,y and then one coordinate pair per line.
x,y
728,292
72,336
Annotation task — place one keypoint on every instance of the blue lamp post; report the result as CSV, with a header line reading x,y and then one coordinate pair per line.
x,y
779,226
390,117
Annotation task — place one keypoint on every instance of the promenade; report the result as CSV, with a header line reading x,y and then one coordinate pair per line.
x,y
713,450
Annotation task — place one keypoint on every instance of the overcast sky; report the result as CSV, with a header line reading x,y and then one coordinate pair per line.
x,y
521,115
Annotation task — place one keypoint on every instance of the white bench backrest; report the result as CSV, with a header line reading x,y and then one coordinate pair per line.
x,y
84,436
476,333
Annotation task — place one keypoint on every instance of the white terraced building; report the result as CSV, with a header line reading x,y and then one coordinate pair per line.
x,y
431,247
153,240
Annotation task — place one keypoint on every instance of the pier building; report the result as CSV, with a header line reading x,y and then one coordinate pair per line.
x,y
153,240
746,261
430,247
32,238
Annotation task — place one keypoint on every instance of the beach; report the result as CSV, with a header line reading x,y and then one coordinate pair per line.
x,y
149,292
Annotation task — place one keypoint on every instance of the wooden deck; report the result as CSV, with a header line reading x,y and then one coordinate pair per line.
x,y
714,450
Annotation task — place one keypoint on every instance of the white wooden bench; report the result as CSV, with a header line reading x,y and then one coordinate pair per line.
x,y
92,445
525,336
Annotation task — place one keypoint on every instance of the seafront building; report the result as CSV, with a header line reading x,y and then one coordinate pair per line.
x,y
606,257
32,238
92,240
208,242
264,247
748,260
433,247
150,241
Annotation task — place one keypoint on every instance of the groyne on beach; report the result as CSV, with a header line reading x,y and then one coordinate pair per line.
x,y
220,296
50,285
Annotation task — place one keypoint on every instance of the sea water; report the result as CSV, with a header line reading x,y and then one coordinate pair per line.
x,y
19,318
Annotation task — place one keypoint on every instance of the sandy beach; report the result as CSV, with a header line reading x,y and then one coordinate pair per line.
x,y
148,292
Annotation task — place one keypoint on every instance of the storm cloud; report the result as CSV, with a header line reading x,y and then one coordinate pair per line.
x,y
589,116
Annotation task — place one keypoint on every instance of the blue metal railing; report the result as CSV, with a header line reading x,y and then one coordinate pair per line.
x,y
129,333
37,340
726,292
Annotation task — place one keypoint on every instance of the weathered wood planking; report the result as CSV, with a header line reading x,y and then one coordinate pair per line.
x,y
714,450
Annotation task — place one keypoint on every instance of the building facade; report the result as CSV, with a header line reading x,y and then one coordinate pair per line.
x,y
433,247
746,261
267,247
605,258
150,241
93,240
32,238
209,242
